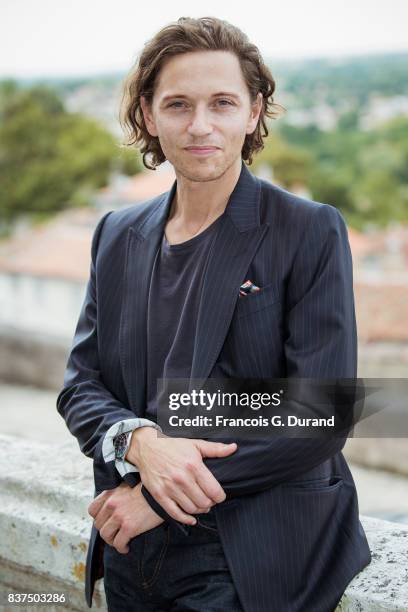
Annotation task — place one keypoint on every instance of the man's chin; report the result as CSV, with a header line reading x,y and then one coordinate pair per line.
x,y
201,172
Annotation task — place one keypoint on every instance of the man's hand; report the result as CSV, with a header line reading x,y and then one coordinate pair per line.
x,y
173,471
121,514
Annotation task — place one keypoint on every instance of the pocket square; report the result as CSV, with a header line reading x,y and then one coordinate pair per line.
x,y
247,287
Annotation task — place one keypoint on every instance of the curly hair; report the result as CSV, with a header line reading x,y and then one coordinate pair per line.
x,y
184,36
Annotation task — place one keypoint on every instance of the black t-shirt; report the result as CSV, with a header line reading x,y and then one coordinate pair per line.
x,y
174,298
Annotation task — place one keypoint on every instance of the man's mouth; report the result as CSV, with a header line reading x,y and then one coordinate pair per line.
x,y
202,150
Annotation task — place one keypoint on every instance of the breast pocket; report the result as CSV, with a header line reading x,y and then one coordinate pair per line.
x,y
253,346
253,302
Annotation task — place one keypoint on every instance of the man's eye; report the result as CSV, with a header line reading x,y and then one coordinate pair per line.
x,y
181,104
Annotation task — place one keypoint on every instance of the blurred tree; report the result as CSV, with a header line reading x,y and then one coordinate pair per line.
x,y
349,121
363,173
332,186
128,160
380,195
51,159
290,164
395,133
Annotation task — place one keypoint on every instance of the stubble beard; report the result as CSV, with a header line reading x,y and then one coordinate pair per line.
x,y
201,174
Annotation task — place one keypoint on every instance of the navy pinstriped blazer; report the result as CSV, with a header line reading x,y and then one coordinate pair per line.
x,y
290,525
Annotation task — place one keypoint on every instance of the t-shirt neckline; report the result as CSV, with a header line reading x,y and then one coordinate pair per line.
x,y
191,241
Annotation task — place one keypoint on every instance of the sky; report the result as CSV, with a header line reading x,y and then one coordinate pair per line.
x,y
57,38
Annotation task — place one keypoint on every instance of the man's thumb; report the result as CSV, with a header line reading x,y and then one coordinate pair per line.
x,y
215,449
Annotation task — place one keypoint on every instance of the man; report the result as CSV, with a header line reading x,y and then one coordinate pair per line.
x,y
225,276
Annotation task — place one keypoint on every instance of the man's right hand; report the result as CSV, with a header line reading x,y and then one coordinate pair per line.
x,y
173,471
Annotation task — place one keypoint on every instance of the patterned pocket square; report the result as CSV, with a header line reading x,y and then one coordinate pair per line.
x,y
247,287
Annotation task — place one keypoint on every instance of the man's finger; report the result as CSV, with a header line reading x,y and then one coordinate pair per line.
x,y
196,496
121,542
109,531
177,513
210,485
102,517
187,504
98,502
215,449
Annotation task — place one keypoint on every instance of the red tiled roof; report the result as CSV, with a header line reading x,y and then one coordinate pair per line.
x,y
146,185
60,248
140,187
378,242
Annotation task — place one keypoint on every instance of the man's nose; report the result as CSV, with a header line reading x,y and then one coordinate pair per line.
x,y
200,123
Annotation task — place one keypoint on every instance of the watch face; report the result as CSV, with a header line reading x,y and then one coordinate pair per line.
x,y
120,443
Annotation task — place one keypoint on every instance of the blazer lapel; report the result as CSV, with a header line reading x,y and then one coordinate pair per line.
x,y
236,243
142,243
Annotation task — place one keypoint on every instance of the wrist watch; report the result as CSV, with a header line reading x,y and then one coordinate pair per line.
x,y
121,445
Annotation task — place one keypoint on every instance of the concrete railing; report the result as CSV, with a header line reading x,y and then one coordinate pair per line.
x,y
45,491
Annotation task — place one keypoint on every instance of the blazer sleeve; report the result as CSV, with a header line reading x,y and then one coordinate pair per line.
x,y
87,406
320,342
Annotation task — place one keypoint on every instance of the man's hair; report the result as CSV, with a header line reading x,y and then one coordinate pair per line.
x,y
184,36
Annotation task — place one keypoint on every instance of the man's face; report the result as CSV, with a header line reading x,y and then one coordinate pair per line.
x,y
201,100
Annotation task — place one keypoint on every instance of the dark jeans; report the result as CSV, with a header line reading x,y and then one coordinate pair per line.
x,y
167,570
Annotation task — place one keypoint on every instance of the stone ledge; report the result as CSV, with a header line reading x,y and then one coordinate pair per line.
x,y
45,491
44,494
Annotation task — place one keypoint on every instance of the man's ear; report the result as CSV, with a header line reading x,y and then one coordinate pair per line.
x,y
148,116
256,108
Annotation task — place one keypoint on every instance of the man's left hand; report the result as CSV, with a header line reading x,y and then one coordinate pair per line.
x,y
121,514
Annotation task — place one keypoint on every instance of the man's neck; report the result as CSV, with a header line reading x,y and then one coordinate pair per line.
x,y
196,204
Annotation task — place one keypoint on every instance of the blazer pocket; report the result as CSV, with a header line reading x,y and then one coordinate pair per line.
x,y
253,302
321,485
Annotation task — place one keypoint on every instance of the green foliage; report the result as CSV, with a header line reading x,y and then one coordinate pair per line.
x,y
128,160
51,159
363,173
332,187
337,80
290,164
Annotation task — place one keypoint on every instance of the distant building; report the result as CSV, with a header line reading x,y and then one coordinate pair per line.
x,y
44,269
381,288
43,272
382,109
324,116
